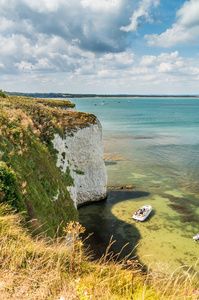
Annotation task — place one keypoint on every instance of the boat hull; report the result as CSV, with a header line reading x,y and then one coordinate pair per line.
x,y
142,213
196,238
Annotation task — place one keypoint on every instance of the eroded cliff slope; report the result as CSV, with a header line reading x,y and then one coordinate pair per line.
x,y
51,157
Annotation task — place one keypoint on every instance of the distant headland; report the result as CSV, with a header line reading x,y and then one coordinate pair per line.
x,y
69,95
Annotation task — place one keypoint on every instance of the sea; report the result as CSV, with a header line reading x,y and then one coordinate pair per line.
x,y
151,144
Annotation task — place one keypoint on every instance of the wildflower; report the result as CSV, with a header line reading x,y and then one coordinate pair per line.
x,y
194,292
80,244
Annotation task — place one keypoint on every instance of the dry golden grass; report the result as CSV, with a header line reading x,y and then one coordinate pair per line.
x,y
60,268
55,269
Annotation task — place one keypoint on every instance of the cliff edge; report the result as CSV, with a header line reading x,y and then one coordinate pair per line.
x,y
51,160
81,152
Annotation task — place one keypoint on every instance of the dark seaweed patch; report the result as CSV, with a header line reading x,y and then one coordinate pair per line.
x,y
110,163
180,208
153,227
179,200
188,218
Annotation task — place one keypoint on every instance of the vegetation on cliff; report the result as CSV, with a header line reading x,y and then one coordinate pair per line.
x,y
29,178
34,199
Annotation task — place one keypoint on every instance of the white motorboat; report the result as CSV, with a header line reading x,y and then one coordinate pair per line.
x,y
142,213
196,238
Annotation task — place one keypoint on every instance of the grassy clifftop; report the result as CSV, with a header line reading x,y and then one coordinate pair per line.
x,y
44,268
29,178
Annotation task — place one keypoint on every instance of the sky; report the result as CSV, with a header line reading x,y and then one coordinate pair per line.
x,y
100,46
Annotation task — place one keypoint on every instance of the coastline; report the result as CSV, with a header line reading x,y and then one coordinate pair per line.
x,y
95,96
153,147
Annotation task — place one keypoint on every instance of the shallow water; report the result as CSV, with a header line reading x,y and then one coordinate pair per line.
x,y
152,144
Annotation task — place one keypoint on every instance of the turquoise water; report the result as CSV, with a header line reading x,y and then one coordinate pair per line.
x,y
152,144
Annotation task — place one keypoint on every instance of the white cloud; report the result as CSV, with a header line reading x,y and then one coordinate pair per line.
x,y
160,73
24,66
168,57
102,5
163,63
2,65
165,67
184,31
5,24
44,5
94,24
118,60
188,15
148,60
103,73
78,46
143,12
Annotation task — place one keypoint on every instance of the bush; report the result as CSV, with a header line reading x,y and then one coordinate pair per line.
x,y
2,94
68,177
9,191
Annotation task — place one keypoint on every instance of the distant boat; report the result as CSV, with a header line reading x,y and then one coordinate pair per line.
x,y
196,238
103,103
142,213
129,101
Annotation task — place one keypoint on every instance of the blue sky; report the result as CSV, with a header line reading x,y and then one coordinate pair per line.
x,y
100,46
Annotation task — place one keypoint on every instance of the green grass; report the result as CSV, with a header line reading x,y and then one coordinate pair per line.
x,y
27,127
42,255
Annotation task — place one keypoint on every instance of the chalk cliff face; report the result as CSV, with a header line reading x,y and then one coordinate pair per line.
x,y
81,152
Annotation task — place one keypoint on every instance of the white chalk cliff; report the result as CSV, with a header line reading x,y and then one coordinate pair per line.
x,y
82,152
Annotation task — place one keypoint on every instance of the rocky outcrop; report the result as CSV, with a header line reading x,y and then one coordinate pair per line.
x,y
81,153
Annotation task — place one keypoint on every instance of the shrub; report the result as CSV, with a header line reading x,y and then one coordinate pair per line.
x,y
68,177
79,172
63,155
9,191
2,94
